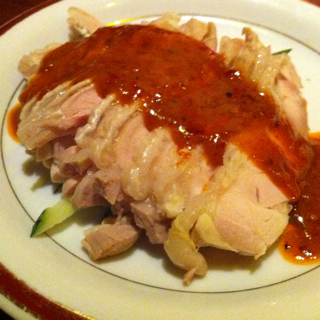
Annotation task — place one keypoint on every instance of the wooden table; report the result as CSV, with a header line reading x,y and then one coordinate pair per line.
x,y
12,11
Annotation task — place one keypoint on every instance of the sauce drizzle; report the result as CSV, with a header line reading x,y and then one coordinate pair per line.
x,y
13,121
300,242
182,85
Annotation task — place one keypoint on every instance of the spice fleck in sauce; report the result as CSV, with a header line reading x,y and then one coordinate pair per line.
x,y
182,85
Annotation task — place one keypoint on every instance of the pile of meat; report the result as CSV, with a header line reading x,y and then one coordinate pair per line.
x,y
103,154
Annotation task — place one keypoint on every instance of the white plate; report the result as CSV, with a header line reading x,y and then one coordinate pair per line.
x,y
142,284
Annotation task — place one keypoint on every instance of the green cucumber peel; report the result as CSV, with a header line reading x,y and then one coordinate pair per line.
x,y
282,51
53,216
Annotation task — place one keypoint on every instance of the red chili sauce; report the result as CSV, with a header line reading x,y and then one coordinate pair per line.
x,y
13,121
300,242
182,85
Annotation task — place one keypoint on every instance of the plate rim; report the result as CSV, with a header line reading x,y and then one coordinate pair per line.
x,y
275,1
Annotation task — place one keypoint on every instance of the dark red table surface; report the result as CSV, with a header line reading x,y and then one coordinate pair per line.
x,y
12,8
12,11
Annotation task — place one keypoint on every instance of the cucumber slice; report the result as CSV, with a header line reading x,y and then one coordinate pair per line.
x,y
52,216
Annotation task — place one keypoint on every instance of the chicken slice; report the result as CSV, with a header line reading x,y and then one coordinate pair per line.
x,y
273,73
110,239
29,64
194,28
241,210
59,113
147,218
82,21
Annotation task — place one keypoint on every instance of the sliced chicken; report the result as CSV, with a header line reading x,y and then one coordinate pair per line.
x,y
241,210
82,21
174,194
110,238
276,73
59,113
205,32
29,64
147,217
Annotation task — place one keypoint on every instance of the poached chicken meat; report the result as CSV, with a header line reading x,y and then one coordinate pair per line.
x,y
212,157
